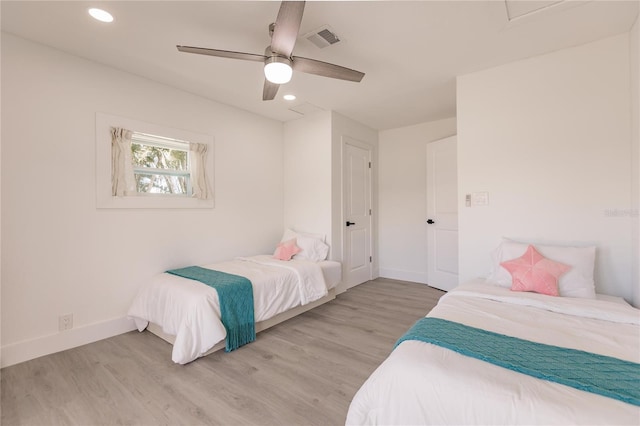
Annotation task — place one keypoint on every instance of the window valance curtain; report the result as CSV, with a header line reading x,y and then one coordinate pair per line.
x,y
122,179
199,185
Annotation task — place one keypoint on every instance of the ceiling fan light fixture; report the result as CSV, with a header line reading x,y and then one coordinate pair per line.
x,y
100,15
278,69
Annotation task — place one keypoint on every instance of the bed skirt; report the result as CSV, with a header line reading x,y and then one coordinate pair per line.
x,y
260,326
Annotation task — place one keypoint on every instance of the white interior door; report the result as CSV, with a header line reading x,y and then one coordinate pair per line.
x,y
357,212
442,214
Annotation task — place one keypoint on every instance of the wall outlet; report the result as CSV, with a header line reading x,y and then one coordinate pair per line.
x,y
65,322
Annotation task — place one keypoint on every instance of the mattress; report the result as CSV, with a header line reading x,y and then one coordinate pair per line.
x,y
190,311
420,383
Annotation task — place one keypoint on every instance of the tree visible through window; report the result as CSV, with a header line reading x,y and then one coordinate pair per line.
x,y
148,166
160,165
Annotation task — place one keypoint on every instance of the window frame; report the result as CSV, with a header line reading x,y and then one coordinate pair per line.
x,y
104,198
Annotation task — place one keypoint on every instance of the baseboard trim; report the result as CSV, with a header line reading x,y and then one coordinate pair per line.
x,y
26,350
397,274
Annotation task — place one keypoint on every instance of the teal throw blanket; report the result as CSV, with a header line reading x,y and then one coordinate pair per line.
x,y
599,374
235,294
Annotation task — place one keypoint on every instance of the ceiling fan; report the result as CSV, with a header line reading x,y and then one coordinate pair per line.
x,y
279,64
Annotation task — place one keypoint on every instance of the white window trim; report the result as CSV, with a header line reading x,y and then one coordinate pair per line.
x,y
105,200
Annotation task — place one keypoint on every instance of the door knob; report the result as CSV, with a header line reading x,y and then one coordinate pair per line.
x,y
350,223
430,222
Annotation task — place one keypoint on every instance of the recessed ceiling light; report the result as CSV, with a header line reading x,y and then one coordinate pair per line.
x,y
289,97
101,15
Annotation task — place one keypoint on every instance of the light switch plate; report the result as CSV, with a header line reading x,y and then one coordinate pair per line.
x,y
479,199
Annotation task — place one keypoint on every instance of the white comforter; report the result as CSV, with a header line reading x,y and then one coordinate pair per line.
x,y
424,384
190,310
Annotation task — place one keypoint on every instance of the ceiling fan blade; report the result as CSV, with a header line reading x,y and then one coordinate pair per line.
x,y
286,27
222,53
270,90
325,69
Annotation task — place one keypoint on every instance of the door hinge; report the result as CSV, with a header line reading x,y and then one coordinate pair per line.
x,y
370,259
369,212
369,164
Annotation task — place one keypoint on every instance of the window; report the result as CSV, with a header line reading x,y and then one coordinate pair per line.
x,y
142,165
160,165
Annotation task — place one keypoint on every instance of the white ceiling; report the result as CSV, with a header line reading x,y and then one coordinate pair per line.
x,y
411,52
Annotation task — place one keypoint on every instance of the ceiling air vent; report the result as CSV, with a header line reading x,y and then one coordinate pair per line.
x,y
322,37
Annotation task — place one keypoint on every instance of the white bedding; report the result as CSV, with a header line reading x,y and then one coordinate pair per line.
x,y
190,310
420,383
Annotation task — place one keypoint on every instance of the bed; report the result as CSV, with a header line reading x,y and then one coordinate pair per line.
x,y
186,313
425,383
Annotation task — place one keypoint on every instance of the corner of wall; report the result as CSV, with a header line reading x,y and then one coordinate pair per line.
x,y
307,156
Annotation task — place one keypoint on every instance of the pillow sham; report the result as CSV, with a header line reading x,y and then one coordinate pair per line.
x,y
311,249
534,272
286,250
577,282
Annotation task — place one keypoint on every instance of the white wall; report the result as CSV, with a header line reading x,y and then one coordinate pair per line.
x,y
403,198
549,139
60,254
307,174
634,55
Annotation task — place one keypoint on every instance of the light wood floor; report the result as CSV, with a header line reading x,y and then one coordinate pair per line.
x,y
303,371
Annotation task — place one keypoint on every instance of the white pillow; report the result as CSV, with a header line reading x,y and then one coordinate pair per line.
x,y
290,233
313,245
577,282
312,249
